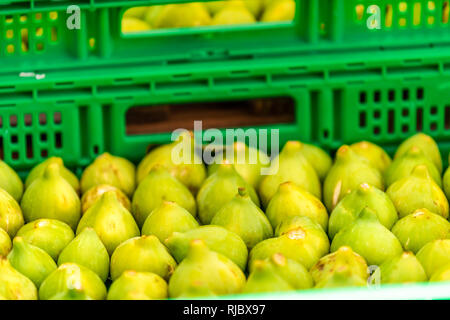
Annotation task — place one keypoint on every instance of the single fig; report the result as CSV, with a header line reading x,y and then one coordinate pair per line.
x,y
51,196
108,169
291,271
318,158
31,261
220,188
132,285
209,270
5,243
216,238
263,279
71,276
110,220
13,284
417,229
377,157
71,294
348,172
88,251
351,205
404,268
168,218
11,218
279,11
342,277
10,181
434,255
442,274
50,235
416,192
157,187
233,14
93,194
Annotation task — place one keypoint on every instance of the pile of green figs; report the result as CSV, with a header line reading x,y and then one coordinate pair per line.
x,y
162,229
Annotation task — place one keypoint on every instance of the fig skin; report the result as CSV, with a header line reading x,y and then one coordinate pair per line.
x,y
220,188
10,181
318,158
168,218
348,172
112,170
50,235
31,261
5,243
291,271
263,279
71,294
11,218
207,270
369,238
132,285
110,220
292,200
88,251
434,255
68,175
157,187
217,239
418,191
404,268
244,218
417,229
290,165
446,180
70,276
146,254
340,278
14,285
376,155
441,274
93,194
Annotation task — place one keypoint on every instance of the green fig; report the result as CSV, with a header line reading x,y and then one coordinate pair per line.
x,y
263,279
418,191
68,175
344,256
166,219
292,200
417,229
244,218
369,238
404,268
50,235
179,159
71,276
220,188
351,205
87,250
231,15
157,187
10,181
434,255
110,220
13,284
93,194
291,271
51,196
108,169
5,243
132,285
425,143
11,218
318,158
145,254
403,166
290,165
207,269
216,238
71,294
348,172
442,274
31,261
342,277
377,157
446,181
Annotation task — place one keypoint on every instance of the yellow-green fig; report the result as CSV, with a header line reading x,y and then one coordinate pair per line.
x,y
71,294
11,218
434,255
68,175
442,274
13,284
418,191
348,172
110,220
220,188
281,10
50,235
71,276
291,271
159,186
292,200
132,285
446,181
134,25
244,218
263,279
93,194
318,158
87,250
425,143
50,196
5,243
183,15
209,270
136,12
233,14
369,238
376,155
152,15
351,205
290,165
216,238
404,268
417,229
145,254
10,181
112,170
31,261
342,277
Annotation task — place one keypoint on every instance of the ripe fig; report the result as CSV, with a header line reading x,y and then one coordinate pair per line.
x,y
279,10
404,268
183,15
342,277
233,15
377,157
442,274
13,284
11,218
446,180
132,285
417,229
416,192
291,271
10,181
5,243
263,279
110,220
71,294
93,194
318,158
434,255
